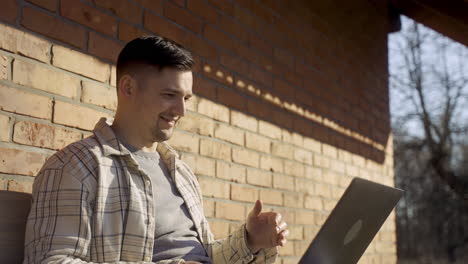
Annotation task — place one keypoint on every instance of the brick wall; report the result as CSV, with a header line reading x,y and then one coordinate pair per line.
x,y
291,98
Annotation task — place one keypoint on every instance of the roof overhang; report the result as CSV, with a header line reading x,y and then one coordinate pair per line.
x,y
449,17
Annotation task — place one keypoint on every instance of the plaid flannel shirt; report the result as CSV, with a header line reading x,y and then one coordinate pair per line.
x,y
92,203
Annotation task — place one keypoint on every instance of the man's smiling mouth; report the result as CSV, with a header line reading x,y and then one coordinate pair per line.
x,y
170,120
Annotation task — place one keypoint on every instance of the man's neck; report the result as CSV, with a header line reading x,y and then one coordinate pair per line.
x,y
132,137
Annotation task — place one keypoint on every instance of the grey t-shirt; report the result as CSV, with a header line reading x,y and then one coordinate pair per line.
x,y
175,235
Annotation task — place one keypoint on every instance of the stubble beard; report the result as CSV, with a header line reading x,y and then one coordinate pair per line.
x,y
160,135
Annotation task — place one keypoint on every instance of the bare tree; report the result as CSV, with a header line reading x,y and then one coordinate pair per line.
x,y
429,86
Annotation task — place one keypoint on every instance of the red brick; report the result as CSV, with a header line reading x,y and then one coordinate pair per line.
x,y
37,76
5,128
213,110
260,44
264,62
260,109
269,130
103,47
47,4
24,43
76,116
245,157
271,197
259,177
283,182
261,12
22,162
215,149
219,229
243,193
231,98
88,16
305,217
293,78
229,134
233,28
282,150
17,101
283,88
208,208
153,5
260,76
204,87
218,38
201,47
287,250
20,186
182,17
180,3
98,94
4,65
246,18
293,200
257,142
80,63
272,164
9,11
44,136
230,211
230,172
245,121
212,187
122,8
218,74
305,186
235,64
223,5
128,32
164,28
313,202
113,76
184,142
204,10
293,168
200,165
53,27
284,57
197,124
283,118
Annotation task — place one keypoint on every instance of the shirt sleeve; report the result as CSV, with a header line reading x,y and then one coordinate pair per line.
x,y
58,228
233,249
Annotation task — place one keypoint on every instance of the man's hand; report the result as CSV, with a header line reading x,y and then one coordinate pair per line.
x,y
265,230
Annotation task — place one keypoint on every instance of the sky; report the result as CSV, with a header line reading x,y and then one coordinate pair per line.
x,y
456,63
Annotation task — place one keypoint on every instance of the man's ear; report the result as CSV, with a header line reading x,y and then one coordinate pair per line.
x,y
126,85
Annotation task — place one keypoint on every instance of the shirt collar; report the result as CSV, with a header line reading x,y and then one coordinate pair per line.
x,y
112,146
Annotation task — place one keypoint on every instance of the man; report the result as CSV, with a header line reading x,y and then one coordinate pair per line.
x,y
122,195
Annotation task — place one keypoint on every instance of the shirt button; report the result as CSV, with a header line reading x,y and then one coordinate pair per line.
x,y
147,259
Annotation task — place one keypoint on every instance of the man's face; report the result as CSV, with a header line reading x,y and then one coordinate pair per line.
x,y
161,100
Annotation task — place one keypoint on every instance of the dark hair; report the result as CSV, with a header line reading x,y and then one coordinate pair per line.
x,y
156,51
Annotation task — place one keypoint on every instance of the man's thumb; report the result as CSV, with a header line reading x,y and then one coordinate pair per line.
x,y
257,208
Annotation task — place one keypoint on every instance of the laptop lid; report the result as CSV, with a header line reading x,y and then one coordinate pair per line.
x,y
353,223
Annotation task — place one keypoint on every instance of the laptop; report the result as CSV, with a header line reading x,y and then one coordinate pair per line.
x,y
353,223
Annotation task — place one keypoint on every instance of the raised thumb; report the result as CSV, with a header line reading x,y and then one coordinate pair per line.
x,y
257,208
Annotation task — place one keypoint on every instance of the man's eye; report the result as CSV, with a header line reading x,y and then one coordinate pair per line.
x,y
169,95
186,99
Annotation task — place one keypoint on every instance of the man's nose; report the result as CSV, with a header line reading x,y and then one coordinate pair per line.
x,y
179,107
